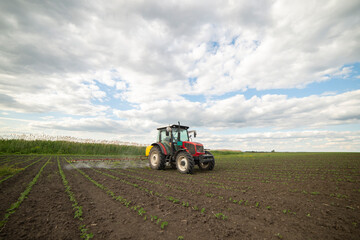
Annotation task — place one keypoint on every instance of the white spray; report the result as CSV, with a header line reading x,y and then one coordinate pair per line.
x,y
108,164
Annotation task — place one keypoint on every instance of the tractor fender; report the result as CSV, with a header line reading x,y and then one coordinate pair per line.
x,y
161,146
179,151
147,151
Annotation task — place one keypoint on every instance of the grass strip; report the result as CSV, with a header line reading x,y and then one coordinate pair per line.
x,y
20,146
12,209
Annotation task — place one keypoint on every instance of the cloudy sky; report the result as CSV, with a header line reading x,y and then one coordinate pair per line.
x,y
248,75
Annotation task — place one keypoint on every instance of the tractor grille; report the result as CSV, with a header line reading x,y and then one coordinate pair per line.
x,y
190,147
200,148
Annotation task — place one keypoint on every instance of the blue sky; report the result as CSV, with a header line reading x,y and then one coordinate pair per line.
x,y
250,76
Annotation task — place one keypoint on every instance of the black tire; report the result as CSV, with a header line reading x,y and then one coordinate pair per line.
x,y
209,165
185,163
156,158
173,165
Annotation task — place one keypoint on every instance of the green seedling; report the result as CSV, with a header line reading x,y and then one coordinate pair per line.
x,y
163,224
279,235
141,211
220,216
185,204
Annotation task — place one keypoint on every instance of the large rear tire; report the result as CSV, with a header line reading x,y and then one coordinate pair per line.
x,y
185,163
156,158
209,165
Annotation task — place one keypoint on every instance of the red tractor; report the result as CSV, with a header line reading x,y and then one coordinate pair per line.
x,y
174,148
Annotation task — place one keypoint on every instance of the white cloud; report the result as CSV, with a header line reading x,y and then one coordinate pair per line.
x,y
71,94
61,57
307,141
98,124
156,47
276,111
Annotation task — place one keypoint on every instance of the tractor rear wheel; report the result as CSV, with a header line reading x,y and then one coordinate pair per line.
x,y
156,158
209,165
185,162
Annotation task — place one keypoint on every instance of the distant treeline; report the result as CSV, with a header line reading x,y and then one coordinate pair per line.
x,y
65,147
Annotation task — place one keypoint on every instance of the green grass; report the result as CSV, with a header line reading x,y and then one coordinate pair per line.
x,y
64,147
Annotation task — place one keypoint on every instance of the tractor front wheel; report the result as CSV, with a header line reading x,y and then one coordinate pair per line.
x,y
185,162
156,158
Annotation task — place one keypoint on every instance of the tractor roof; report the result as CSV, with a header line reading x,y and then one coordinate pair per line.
x,y
173,126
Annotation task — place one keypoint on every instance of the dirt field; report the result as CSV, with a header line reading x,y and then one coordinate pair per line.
x,y
246,196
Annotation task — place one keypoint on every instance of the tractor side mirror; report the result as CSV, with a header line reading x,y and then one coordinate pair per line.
x,y
168,130
193,132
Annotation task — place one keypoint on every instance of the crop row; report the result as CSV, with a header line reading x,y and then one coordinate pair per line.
x,y
232,200
23,161
12,209
244,189
13,173
78,213
7,159
175,200
139,209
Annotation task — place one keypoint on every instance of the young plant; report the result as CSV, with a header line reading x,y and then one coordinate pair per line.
x,y
164,224
220,216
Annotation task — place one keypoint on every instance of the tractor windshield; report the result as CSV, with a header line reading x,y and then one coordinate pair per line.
x,y
183,135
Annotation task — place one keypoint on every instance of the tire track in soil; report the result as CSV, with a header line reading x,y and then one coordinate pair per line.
x,y
192,223
46,213
107,218
11,189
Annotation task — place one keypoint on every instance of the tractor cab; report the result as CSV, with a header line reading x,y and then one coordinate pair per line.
x,y
173,136
173,146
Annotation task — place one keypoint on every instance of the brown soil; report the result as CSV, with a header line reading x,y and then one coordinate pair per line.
x,y
46,213
304,196
11,189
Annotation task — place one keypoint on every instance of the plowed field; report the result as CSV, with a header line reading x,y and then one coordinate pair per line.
x,y
246,196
